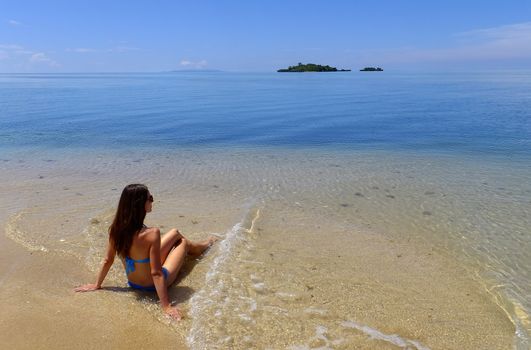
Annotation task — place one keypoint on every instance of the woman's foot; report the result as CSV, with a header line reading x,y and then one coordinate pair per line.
x,y
198,248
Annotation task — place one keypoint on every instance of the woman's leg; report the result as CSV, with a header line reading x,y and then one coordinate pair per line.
x,y
197,248
175,260
170,240
167,242
181,247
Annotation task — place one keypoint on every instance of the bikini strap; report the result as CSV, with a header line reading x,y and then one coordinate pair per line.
x,y
130,264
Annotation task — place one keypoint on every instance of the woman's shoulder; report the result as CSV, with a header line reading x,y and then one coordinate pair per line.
x,y
150,234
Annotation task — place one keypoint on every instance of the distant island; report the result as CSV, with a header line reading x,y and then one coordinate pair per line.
x,y
310,67
371,69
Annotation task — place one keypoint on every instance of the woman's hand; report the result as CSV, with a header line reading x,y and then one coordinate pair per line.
x,y
87,288
174,312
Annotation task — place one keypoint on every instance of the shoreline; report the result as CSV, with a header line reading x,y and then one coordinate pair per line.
x,y
28,275
375,277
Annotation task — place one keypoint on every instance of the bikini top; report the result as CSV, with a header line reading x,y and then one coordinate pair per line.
x,y
130,264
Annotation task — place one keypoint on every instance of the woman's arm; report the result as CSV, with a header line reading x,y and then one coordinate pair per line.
x,y
106,265
158,276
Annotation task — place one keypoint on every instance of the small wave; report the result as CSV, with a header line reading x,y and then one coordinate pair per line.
x,y
520,319
390,338
15,233
322,338
207,302
510,304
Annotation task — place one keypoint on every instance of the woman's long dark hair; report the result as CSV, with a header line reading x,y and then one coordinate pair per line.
x,y
129,218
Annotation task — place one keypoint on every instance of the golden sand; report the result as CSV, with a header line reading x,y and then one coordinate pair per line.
x,y
290,270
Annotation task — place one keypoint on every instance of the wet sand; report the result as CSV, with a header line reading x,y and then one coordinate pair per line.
x,y
40,311
392,292
290,271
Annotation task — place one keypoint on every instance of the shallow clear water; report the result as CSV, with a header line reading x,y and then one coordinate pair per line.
x,y
435,160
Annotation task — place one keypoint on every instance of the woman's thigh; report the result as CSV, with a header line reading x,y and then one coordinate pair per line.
x,y
167,242
175,261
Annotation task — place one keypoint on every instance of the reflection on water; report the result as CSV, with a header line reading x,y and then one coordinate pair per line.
x,y
474,113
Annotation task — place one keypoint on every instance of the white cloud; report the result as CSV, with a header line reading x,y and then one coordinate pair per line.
x,y
512,32
14,23
489,44
10,47
509,41
12,51
190,64
81,50
19,58
40,57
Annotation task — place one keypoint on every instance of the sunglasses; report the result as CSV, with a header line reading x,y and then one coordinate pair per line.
x,y
150,198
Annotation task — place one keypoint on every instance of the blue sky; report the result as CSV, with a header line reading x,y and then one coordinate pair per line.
x,y
252,35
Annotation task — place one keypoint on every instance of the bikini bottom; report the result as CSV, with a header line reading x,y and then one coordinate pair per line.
x,y
148,288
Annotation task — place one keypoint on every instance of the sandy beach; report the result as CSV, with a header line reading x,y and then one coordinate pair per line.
x,y
298,267
353,177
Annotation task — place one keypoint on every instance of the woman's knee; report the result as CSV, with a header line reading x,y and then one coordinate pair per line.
x,y
186,244
174,233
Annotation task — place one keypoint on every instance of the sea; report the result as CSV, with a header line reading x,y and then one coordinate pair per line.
x,y
370,210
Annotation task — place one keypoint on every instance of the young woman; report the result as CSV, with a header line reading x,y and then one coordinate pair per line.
x,y
151,262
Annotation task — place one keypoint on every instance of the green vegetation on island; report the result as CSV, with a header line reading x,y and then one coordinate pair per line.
x,y
310,67
371,69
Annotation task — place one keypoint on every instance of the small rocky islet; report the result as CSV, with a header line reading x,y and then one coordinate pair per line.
x,y
312,67
371,69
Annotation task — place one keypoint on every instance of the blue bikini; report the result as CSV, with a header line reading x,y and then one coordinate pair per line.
x,y
130,267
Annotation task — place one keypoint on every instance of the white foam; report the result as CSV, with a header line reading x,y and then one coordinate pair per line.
x,y
246,318
299,347
214,290
315,311
320,332
213,287
14,233
251,302
321,338
259,287
287,297
390,338
275,309
255,278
